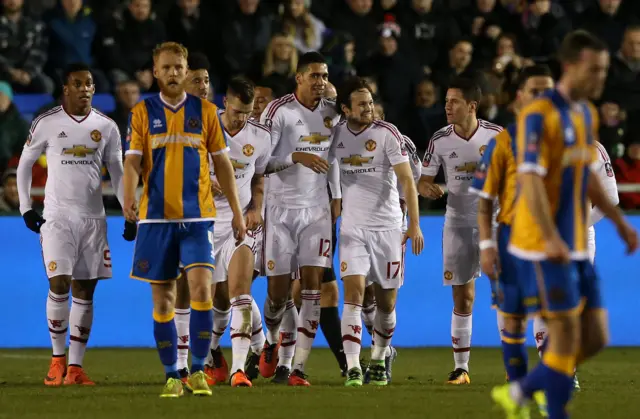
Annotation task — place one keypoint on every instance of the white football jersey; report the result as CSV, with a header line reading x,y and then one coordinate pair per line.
x,y
369,184
249,152
459,157
75,150
604,170
414,161
296,128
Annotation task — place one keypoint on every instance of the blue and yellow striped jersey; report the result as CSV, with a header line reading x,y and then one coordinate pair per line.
x,y
496,174
174,143
555,139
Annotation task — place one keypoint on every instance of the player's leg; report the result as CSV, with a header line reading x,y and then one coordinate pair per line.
x,y
251,367
216,365
296,297
183,314
80,322
540,334
595,329
314,256
368,317
288,336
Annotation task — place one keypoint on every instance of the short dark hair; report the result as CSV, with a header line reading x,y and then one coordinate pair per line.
x,y
538,70
470,90
576,42
198,61
243,88
312,57
350,85
74,68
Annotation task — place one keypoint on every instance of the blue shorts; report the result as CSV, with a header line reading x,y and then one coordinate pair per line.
x,y
160,247
517,290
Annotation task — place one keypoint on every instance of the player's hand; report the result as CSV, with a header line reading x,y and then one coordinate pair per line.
x,y
630,237
430,190
130,231
239,228
417,240
336,209
216,189
313,162
33,220
130,211
557,250
489,263
253,218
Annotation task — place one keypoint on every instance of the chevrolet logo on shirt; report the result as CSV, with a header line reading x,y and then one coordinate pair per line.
x,y
78,151
237,164
314,138
356,160
467,167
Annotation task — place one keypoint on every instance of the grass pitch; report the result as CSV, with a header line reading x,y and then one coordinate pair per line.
x,y
129,381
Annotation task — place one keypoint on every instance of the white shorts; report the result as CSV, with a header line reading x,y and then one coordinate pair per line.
x,y
76,247
297,237
591,244
224,246
460,254
377,255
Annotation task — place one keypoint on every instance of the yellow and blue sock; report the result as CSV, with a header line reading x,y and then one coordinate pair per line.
x,y
164,331
558,383
200,330
514,355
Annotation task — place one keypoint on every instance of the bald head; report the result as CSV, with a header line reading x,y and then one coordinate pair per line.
x,y
330,91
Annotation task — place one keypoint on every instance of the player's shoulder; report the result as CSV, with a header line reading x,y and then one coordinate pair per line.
x,y
543,104
408,144
140,108
387,128
278,105
489,127
207,106
104,119
602,152
46,117
443,132
258,130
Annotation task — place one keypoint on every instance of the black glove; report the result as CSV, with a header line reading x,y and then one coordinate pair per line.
x,y
130,231
33,220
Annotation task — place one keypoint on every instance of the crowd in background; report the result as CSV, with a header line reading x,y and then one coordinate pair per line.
x,y
407,49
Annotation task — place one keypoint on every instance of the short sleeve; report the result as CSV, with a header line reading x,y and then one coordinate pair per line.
x,y
414,159
394,149
431,162
113,147
487,178
533,143
271,119
263,159
136,129
216,139
37,141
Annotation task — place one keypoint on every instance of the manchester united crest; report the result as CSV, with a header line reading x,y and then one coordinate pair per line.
x,y
96,136
370,145
52,266
328,122
482,149
448,275
248,150
343,266
271,265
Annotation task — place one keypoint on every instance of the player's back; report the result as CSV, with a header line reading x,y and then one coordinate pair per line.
x,y
296,128
367,176
175,143
249,151
460,157
75,148
555,140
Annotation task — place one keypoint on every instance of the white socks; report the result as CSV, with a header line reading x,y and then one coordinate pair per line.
x,y
257,334
308,322
461,339
220,323
539,333
58,319
289,333
272,319
241,328
80,322
182,316
384,326
500,319
351,329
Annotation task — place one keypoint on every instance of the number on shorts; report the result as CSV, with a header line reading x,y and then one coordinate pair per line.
x,y
107,258
325,248
397,269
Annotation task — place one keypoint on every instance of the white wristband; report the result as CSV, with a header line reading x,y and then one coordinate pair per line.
x,y
487,244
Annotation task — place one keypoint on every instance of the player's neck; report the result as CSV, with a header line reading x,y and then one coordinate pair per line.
x,y
226,124
566,91
306,101
467,128
173,100
357,127
79,111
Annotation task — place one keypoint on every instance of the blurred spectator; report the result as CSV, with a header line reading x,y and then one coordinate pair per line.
x,y
613,128
627,170
605,20
372,81
127,95
389,8
22,50
306,29
245,37
358,19
9,201
458,63
490,86
340,51
481,23
624,75
545,26
395,73
71,31
428,114
425,31
507,58
280,63
13,129
263,95
129,41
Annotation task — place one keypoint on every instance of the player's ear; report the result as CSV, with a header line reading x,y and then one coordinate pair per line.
x,y
299,78
344,109
224,102
155,72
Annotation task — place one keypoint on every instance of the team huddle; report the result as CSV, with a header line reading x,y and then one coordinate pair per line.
x,y
251,190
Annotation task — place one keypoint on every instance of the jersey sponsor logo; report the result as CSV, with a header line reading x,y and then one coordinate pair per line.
x,y
328,122
314,138
469,168
271,265
453,155
62,135
194,123
96,136
356,160
343,266
238,165
426,160
299,123
340,145
189,141
248,150
608,169
78,151
482,149
157,123
448,275
370,145
52,266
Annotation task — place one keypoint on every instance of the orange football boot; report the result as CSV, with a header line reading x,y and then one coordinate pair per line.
x,y
57,371
76,375
210,373
269,359
298,379
220,366
239,379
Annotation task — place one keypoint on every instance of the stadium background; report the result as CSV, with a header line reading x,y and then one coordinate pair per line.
x,y
408,49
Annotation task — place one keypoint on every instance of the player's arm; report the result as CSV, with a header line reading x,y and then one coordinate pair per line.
x,y
113,162
335,189
603,170
34,147
430,165
253,218
133,161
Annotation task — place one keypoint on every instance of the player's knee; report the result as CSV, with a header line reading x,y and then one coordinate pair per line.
x,y
84,289
60,284
515,325
311,277
164,297
183,297
369,296
279,289
199,284
329,295
221,297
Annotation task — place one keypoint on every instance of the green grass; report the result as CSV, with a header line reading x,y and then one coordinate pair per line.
x,y
129,381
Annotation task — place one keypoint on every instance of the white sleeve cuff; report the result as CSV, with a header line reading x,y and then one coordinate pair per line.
x,y
481,194
136,152
224,150
532,168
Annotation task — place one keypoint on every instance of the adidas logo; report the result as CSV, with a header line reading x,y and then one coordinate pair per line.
x,y
157,123
299,122
453,155
62,135
340,145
